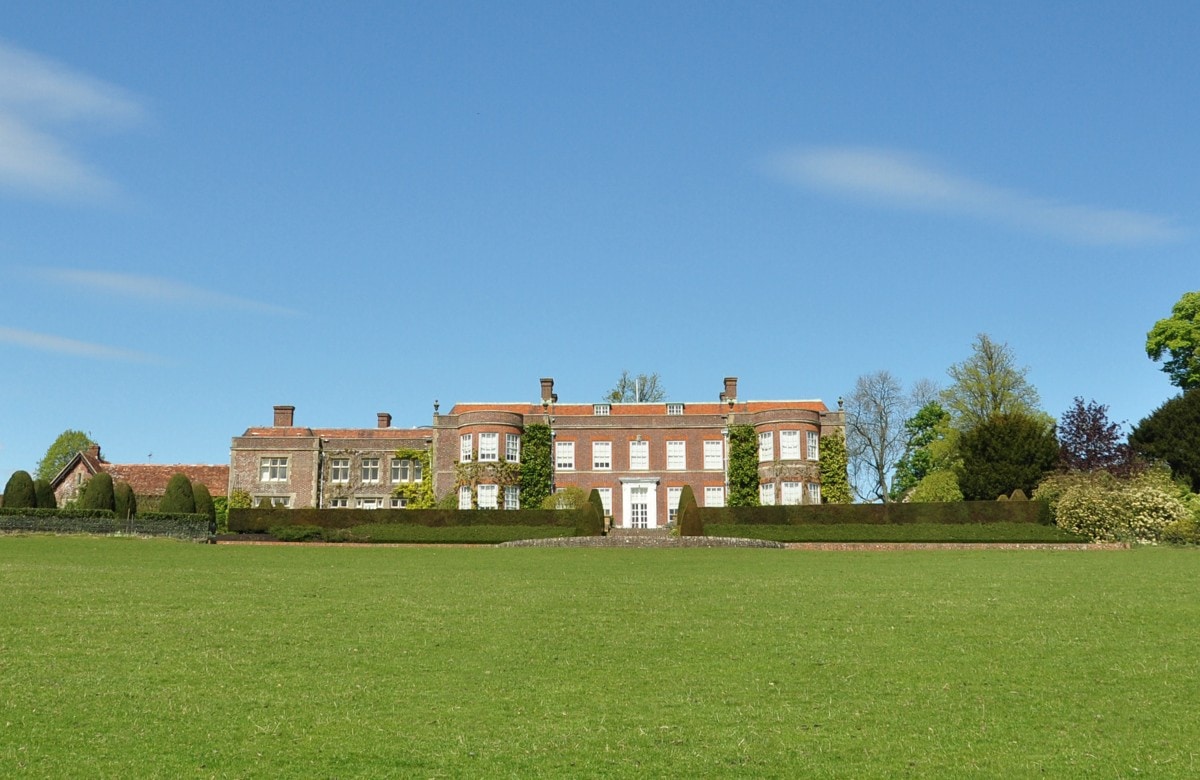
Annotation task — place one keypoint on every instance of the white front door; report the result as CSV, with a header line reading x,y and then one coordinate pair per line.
x,y
639,503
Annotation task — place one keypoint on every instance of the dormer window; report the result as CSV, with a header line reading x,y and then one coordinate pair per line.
x,y
674,409
602,410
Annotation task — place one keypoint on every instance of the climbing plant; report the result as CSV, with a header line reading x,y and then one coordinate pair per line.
x,y
835,484
743,466
536,468
417,495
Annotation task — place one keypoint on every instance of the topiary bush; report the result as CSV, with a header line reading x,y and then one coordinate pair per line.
x,y
45,494
124,500
19,492
204,501
99,493
690,523
178,498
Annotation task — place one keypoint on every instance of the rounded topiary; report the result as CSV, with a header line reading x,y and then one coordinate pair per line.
x,y
178,497
45,494
126,502
1018,495
19,493
204,502
99,493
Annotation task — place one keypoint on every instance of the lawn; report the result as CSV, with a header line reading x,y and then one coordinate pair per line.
x,y
127,657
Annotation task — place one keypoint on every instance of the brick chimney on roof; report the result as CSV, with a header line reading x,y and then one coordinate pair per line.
x,y
385,420
730,393
284,416
548,395
93,452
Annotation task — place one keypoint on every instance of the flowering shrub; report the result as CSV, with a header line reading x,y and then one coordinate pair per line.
x,y
1105,509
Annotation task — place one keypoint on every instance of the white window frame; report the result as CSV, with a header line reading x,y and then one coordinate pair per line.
x,y
339,503
714,454
401,470
512,447
564,455
639,455
487,496
418,471
791,493
464,448
676,455
601,410
766,494
766,447
512,497
606,499
273,469
368,502
789,445
399,502
276,501
673,496
339,470
814,492
464,497
489,447
674,410
602,456
369,469
714,495
814,445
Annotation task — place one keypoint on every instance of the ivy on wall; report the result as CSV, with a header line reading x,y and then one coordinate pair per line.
x,y
835,484
418,495
743,466
536,468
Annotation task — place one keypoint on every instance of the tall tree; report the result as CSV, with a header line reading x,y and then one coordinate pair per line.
x,y
1171,434
927,448
1088,441
1006,452
642,388
19,492
60,453
987,383
1179,337
875,434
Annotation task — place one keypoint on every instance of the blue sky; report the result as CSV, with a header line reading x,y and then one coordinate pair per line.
x,y
207,209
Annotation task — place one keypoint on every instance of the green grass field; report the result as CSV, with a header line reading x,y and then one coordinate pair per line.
x,y
151,658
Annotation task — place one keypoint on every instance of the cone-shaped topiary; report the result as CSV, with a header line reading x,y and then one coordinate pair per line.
x,y
19,493
597,504
99,493
591,516
689,514
126,503
45,494
178,496
1018,495
204,502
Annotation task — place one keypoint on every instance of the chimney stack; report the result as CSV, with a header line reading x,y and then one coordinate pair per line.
x,y
730,393
93,452
284,416
385,420
548,395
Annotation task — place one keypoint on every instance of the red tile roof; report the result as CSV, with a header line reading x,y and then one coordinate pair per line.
x,y
150,479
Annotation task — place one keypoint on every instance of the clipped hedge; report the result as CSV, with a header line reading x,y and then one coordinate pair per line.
x,y
900,533
948,513
397,533
262,520
102,521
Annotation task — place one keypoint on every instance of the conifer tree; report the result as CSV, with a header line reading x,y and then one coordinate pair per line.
x,y
19,492
178,496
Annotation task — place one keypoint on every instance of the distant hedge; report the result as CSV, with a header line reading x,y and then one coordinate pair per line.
x,y
262,520
407,533
899,533
949,513
103,521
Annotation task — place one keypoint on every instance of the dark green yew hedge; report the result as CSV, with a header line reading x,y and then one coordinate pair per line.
x,y
263,520
949,513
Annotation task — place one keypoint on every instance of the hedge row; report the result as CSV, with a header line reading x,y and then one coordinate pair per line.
x,y
949,513
262,520
397,533
909,532
180,526
66,513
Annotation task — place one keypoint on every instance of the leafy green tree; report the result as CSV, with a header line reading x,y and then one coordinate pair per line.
x,y
19,492
99,493
60,453
834,464
536,464
45,494
1006,452
1170,434
936,486
203,500
125,501
1088,441
179,496
1179,337
986,384
642,388
927,449
743,466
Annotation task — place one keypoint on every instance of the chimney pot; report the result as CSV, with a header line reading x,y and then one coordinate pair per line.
x,y
385,420
284,416
730,388
548,390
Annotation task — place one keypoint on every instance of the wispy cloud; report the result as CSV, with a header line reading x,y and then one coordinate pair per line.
x,y
37,98
46,343
155,290
901,180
